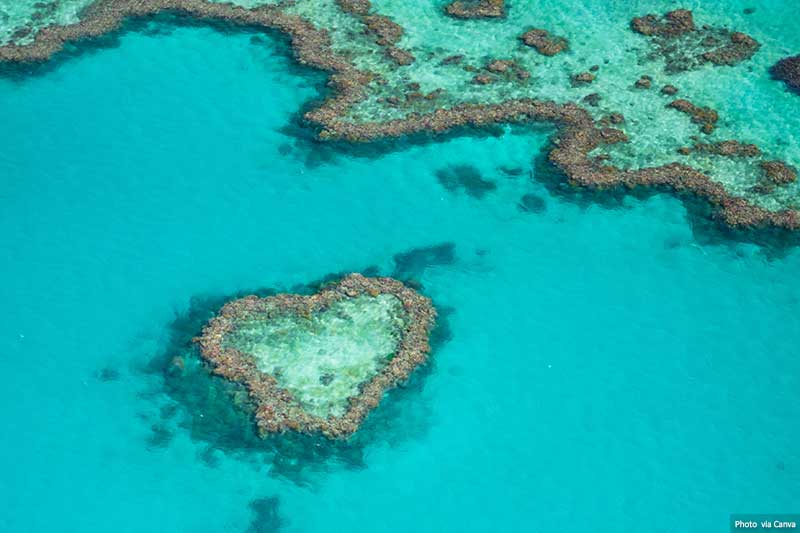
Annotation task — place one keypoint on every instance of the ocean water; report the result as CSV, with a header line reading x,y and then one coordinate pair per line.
x,y
602,364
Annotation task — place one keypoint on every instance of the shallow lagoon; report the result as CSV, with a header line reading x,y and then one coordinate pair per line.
x,y
605,364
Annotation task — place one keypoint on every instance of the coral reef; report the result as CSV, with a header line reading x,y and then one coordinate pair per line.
x,y
669,90
684,46
704,116
644,82
672,24
465,177
386,32
728,149
582,78
476,9
675,35
543,42
779,172
279,409
787,70
532,203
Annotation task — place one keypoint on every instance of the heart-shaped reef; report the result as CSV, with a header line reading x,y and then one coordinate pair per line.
x,y
320,363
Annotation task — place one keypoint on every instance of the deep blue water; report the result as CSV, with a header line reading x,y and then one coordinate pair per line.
x,y
606,370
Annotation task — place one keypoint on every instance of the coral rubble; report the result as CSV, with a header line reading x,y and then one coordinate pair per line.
x,y
301,358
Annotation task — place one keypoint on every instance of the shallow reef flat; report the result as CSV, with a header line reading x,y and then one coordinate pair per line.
x,y
320,363
642,95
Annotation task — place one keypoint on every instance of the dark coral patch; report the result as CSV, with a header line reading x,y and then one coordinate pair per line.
x,y
532,203
779,172
704,116
160,436
266,515
107,374
544,43
684,46
476,9
787,70
413,263
467,178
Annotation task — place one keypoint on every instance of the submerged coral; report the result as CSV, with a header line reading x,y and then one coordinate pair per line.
x,y
704,116
474,9
787,70
684,46
544,43
321,363
384,84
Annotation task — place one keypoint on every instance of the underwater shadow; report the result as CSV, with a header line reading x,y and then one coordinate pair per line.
x,y
266,514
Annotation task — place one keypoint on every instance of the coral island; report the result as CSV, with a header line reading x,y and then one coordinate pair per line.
x,y
320,363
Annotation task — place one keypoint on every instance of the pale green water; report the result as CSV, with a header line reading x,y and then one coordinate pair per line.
x,y
18,15
323,359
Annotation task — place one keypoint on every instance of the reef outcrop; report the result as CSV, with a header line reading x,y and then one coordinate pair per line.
x,y
779,172
730,148
787,70
704,116
476,9
320,363
684,46
672,24
385,31
410,111
582,78
544,43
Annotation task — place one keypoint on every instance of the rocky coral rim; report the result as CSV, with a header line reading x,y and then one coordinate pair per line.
x,y
275,408
578,133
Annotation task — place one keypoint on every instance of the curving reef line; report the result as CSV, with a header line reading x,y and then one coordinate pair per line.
x,y
577,136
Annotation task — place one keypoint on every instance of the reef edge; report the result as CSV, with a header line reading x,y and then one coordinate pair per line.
x,y
578,133
276,410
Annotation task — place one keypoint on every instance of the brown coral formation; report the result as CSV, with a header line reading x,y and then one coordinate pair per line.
x,y
672,24
704,116
684,46
738,48
275,408
476,9
582,78
508,69
544,43
386,32
730,148
577,136
787,70
779,172
644,82
669,90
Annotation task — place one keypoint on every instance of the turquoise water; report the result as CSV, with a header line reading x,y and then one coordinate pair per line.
x,y
606,368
